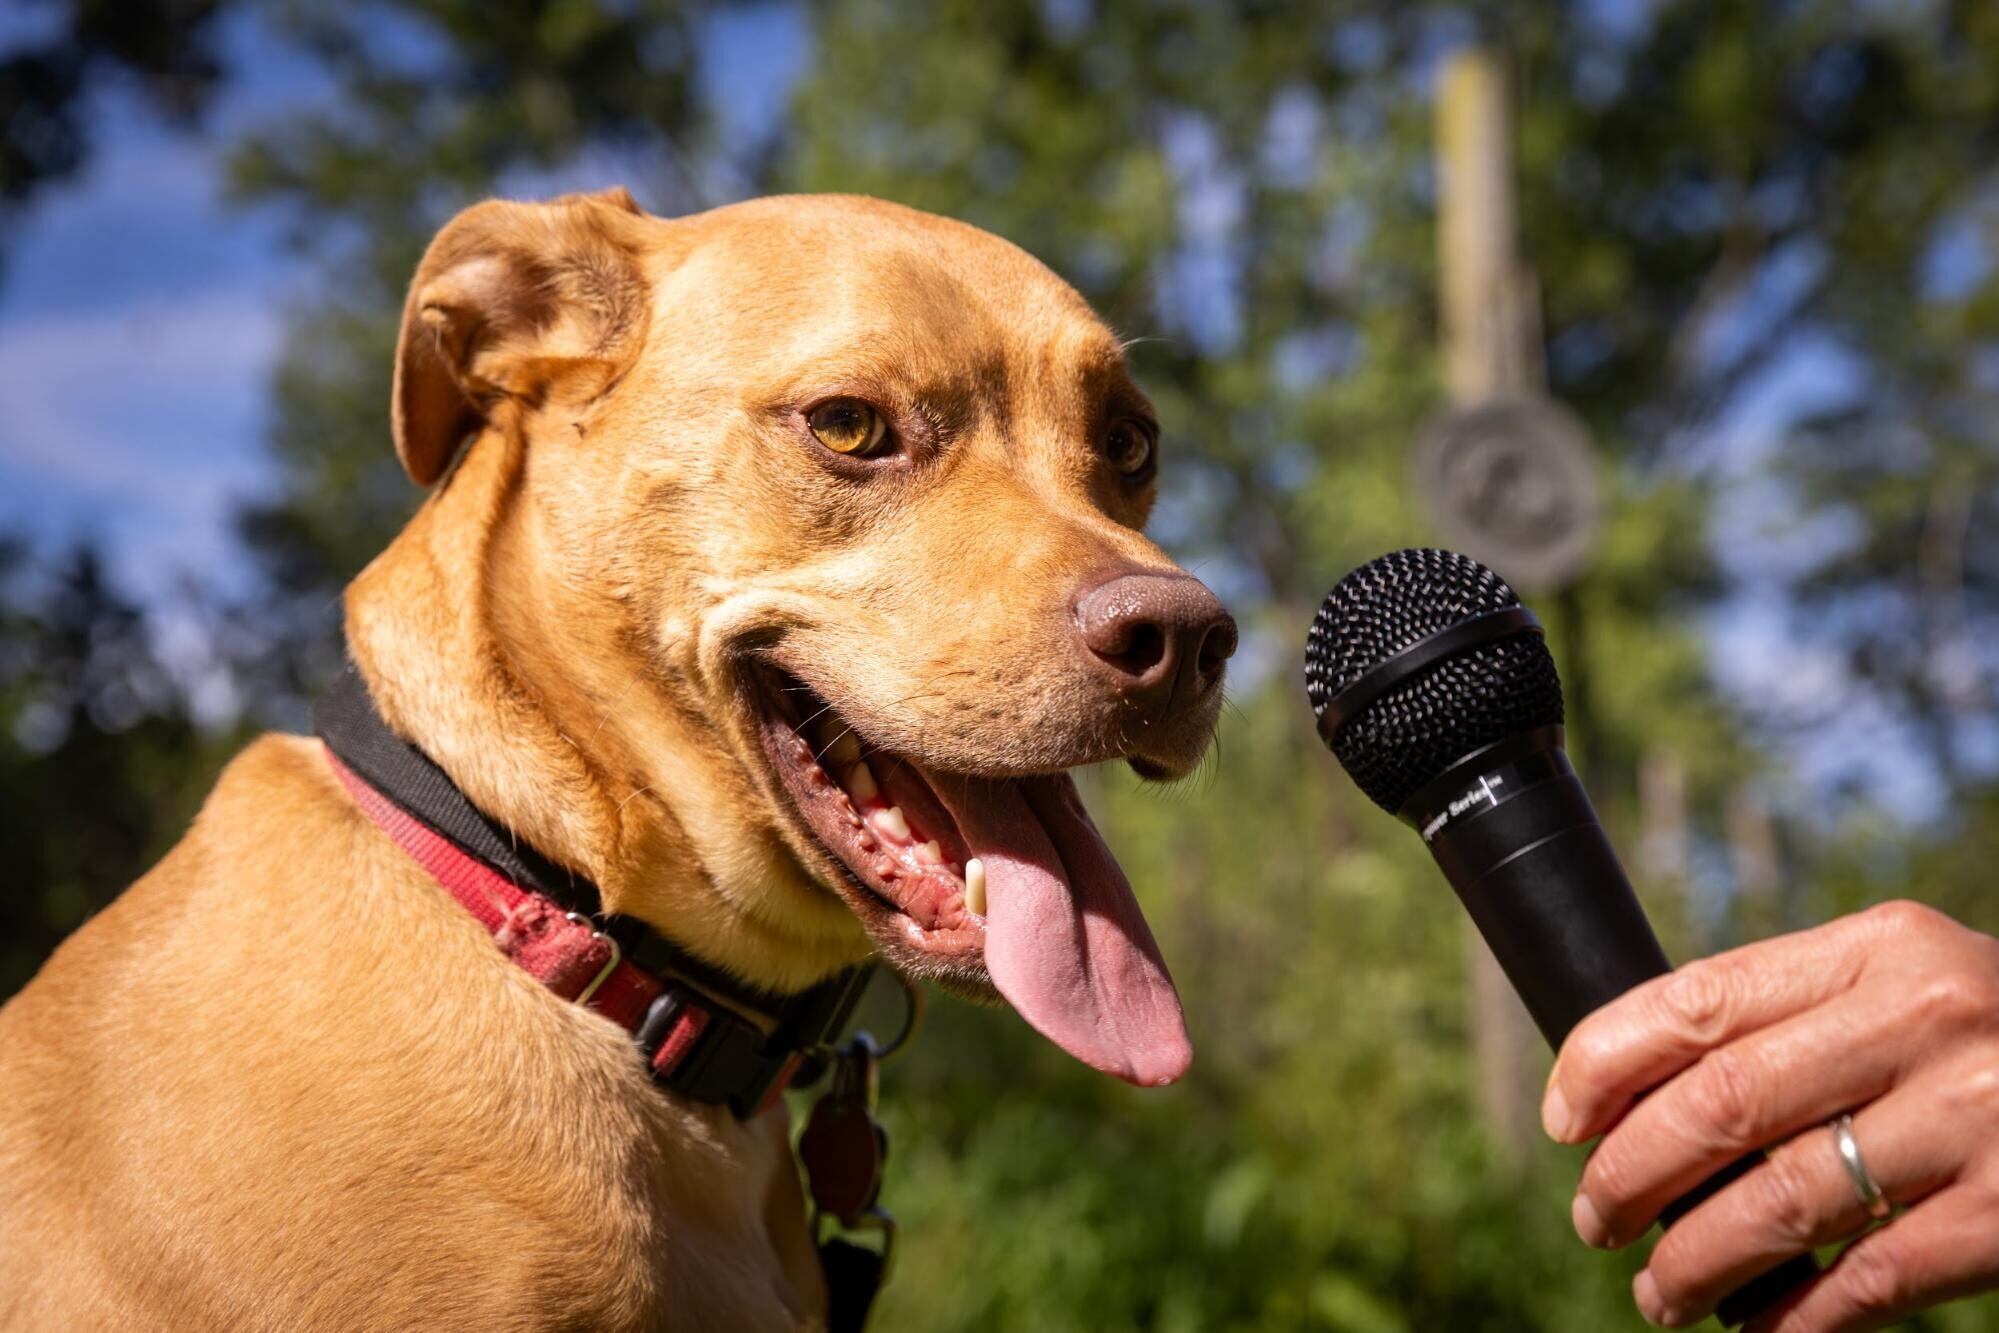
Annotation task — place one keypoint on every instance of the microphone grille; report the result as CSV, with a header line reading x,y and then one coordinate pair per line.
x,y
1422,726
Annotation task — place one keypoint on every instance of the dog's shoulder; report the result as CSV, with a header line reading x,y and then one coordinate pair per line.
x,y
283,1062
278,788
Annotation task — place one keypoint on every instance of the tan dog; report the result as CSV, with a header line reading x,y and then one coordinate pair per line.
x,y
788,511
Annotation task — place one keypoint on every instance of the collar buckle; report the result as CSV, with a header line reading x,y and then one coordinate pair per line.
x,y
703,1050
610,964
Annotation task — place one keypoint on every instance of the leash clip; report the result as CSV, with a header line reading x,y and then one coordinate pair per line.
x,y
875,1218
844,1149
854,1273
912,1018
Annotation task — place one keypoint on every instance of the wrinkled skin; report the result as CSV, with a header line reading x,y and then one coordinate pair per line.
x,y
1892,1015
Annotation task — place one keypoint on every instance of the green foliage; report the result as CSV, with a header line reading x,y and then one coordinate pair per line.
x,y
1247,190
101,767
164,49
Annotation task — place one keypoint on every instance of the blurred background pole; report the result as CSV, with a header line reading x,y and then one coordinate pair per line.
x,y
1488,319
1491,350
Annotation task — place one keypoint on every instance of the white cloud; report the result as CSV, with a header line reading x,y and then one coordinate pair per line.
x,y
142,427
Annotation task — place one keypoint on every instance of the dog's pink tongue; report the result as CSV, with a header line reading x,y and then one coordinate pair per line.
x,y
1065,940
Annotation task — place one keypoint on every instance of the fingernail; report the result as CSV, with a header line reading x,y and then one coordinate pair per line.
x,y
1556,1117
1589,1223
1646,1292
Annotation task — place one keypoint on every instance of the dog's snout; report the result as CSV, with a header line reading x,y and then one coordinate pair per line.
x,y
1165,636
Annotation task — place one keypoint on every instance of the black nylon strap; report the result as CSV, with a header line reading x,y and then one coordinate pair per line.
x,y
344,717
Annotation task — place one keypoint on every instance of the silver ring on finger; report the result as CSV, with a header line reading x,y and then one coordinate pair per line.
x,y
1864,1184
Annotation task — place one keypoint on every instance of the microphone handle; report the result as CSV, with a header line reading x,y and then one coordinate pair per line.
x,y
1520,842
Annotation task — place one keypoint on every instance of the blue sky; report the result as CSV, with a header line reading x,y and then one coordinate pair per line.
x,y
139,318
141,315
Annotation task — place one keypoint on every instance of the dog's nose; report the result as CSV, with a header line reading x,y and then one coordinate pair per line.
x,y
1165,636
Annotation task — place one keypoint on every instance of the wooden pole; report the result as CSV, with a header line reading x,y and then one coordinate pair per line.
x,y
1491,350
1491,347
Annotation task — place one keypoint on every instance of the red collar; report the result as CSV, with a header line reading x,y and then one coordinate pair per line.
x,y
561,950
678,1009
693,1044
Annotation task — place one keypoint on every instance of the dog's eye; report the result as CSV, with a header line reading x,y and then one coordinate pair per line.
x,y
1130,448
848,426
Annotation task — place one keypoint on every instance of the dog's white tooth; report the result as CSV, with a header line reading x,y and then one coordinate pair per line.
x,y
931,853
975,887
861,783
892,822
845,749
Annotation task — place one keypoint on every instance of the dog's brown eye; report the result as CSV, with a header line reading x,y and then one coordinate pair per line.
x,y
848,426
1130,448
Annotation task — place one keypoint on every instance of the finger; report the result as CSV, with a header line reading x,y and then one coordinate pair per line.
x,y
1936,1252
1798,1200
1652,1032
1760,1090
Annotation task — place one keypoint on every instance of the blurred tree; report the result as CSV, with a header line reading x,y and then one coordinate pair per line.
x,y
1708,188
101,765
166,48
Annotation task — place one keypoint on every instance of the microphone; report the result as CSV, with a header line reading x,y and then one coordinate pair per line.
x,y
1434,688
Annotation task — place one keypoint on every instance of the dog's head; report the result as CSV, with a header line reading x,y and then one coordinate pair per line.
x,y
827,521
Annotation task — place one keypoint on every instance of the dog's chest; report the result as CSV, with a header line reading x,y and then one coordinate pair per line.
x,y
619,1212
669,1214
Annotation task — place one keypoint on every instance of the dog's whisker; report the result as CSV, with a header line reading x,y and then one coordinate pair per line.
x,y
819,757
823,710
605,714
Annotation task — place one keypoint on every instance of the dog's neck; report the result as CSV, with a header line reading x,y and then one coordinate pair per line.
x,y
465,654
419,627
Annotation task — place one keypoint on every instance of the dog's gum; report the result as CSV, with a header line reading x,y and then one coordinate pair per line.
x,y
911,869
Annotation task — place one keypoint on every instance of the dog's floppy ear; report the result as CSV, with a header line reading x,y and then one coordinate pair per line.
x,y
515,301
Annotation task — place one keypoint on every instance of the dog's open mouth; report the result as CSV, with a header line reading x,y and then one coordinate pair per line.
x,y
954,870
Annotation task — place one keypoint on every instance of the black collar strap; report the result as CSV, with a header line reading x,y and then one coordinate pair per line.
x,y
735,1060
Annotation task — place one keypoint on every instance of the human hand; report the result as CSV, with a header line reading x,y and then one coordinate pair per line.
x,y
1892,1015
